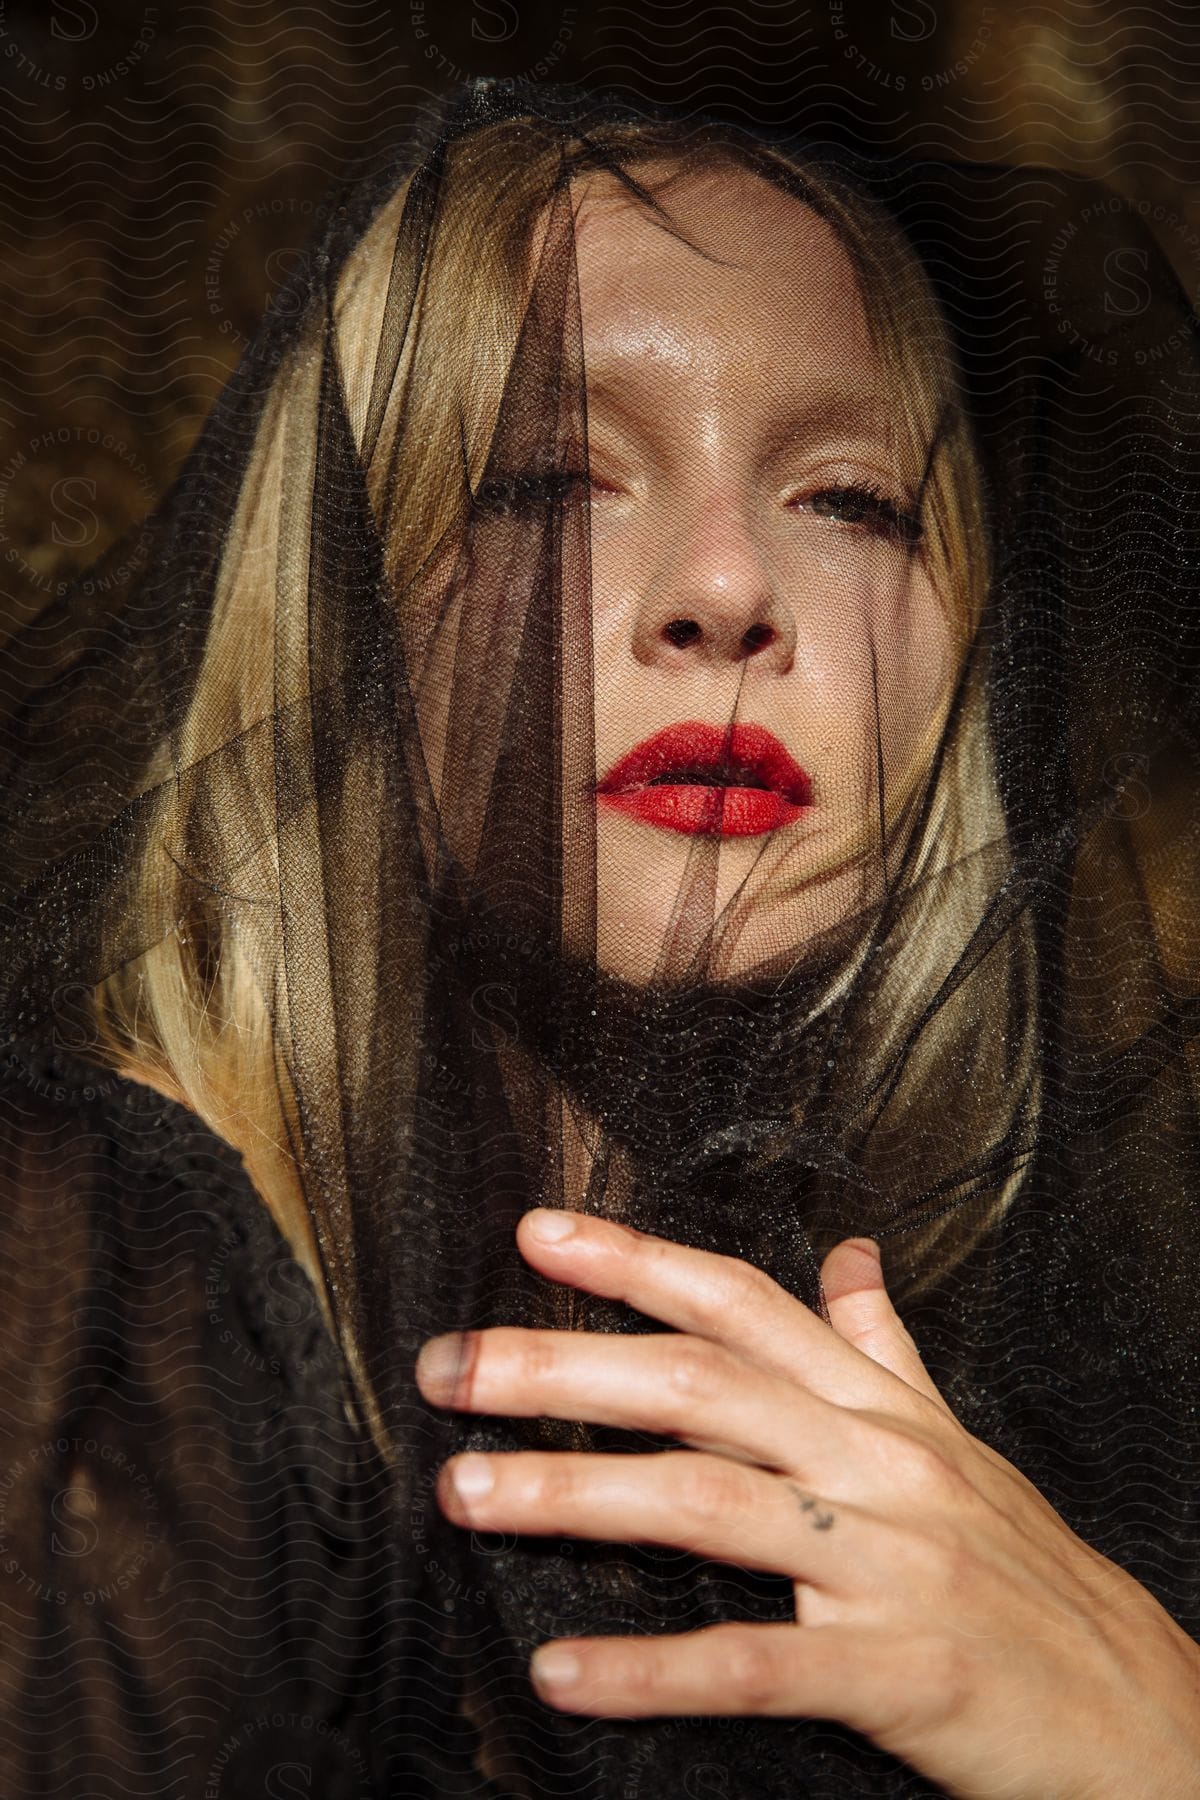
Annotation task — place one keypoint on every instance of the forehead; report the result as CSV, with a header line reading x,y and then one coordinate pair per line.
x,y
763,283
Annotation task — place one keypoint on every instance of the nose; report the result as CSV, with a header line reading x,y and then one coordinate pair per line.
x,y
711,597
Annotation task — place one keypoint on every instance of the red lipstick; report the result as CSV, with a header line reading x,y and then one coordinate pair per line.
x,y
714,780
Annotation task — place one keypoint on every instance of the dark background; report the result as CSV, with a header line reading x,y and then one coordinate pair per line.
x,y
166,164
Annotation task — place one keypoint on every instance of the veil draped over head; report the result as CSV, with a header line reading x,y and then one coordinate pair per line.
x,y
300,825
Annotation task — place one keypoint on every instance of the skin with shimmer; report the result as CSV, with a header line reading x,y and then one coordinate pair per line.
x,y
729,394
943,1609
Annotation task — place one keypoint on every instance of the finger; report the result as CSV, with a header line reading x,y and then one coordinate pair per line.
x,y
721,1298
684,1387
706,1505
862,1313
860,1676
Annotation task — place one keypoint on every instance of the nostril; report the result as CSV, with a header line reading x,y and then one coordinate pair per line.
x,y
681,631
757,637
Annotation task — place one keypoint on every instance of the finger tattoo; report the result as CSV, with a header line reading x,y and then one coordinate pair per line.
x,y
819,1520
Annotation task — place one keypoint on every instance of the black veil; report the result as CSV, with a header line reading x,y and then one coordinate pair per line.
x,y
359,864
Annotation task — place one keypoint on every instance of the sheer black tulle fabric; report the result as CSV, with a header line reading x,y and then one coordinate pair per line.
x,y
984,1056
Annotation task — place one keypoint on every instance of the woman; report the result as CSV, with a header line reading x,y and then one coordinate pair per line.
x,y
570,750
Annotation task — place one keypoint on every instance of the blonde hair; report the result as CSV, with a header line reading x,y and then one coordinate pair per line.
x,y
202,1015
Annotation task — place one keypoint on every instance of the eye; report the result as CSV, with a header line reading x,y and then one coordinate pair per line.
x,y
520,491
868,508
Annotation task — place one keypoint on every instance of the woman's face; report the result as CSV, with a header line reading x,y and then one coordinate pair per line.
x,y
755,562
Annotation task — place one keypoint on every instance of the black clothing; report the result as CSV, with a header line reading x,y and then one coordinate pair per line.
x,y
188,1512
197,1544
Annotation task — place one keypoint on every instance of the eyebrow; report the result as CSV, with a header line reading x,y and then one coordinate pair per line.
x,y
836,411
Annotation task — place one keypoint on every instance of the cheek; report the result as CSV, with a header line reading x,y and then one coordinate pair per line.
x,y
620,684
873,650
915,655
617,554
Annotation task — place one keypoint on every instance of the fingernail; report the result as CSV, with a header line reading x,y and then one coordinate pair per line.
x,y
472,1476
439,1366
550,1227
555,1667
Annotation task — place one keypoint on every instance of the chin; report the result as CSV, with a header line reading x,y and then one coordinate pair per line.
x,y
642,930
754,901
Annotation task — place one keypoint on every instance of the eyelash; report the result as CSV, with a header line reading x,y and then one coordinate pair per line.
x,y
875,510
503,496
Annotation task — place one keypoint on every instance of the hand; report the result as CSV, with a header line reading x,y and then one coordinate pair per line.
x,y
943,1608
